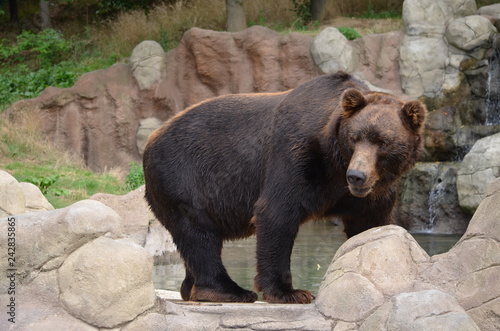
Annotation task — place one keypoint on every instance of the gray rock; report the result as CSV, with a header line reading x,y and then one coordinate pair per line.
x,y
351,297
428,18
470,32
150,322
423,66
479,168
491,10
139,223
146,127
38,306
148,62
376,263
423,310
257,316
45,239
107,282
332,52
35,200
12,200
133,210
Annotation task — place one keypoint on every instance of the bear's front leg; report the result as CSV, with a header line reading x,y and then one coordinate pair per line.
x,y
275,238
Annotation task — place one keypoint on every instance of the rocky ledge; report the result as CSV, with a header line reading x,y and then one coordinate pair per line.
x,y
77,268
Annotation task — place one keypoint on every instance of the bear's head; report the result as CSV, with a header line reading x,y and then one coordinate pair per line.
x,y
380,138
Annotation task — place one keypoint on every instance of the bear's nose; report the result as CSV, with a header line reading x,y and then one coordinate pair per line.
x,y
356,177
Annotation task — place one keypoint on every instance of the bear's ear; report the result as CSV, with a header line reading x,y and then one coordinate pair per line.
x,y
413,115
352,101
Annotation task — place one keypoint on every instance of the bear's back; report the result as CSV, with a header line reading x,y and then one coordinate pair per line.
x,y
213,154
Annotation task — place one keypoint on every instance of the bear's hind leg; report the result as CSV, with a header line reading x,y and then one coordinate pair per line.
x,y
206,277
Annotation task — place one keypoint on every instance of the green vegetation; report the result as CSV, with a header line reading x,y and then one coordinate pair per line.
x,y
302,9
44,182
35,61
91,35
349,32
72,182
135,177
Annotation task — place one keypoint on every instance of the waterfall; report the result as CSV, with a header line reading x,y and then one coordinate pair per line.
x,y
493,87
435,200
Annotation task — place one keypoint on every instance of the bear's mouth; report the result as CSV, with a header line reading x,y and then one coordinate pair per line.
x,y
359,192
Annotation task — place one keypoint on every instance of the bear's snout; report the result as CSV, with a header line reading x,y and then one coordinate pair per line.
x,y
356,177
362,174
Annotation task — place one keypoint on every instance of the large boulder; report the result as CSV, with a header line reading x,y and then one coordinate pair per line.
x,y
133,210
148,61
45,239
332,52
479,168
19,198
428,18
139,223
394,284
107,282
423,310
35,200
422,65
491,12
469,32
12,199
74,270
366,269
96,119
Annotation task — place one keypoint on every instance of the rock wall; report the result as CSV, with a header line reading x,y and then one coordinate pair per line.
x,y
479,168
76,268
99,117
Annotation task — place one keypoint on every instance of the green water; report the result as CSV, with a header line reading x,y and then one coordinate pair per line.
x,y
313,251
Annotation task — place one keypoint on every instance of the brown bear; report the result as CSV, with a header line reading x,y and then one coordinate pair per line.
x,y
236,165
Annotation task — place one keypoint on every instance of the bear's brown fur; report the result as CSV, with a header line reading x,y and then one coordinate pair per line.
x,y
237,165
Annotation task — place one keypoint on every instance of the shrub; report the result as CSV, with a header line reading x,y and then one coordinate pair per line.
x,y
36,61
349,33
135,177
303,10
44,183
47,47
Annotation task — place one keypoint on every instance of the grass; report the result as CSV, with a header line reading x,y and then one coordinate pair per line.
x,y
73,182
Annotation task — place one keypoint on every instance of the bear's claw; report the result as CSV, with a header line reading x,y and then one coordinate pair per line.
x,y
292,297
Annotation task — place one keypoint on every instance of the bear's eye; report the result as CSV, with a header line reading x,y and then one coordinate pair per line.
x,y
384,145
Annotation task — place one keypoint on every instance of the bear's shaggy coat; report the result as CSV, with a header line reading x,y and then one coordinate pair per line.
x,y
242,164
